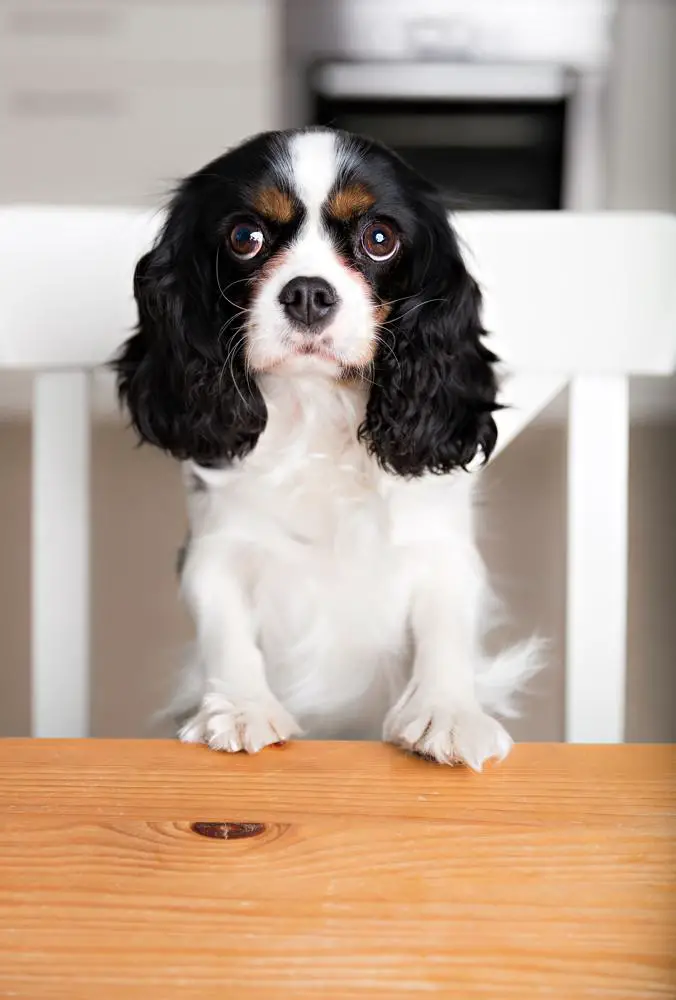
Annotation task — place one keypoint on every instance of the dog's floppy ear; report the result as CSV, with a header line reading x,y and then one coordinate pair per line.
x,y
182,375
434,388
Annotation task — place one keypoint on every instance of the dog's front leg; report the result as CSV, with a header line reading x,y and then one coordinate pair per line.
x,y
238,709
438,715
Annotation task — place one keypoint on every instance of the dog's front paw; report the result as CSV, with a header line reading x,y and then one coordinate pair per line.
x,y
422,724
233,725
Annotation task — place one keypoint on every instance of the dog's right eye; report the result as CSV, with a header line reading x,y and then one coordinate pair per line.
x,y
246,240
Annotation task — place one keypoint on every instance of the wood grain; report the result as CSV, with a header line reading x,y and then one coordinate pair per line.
x,y
368,874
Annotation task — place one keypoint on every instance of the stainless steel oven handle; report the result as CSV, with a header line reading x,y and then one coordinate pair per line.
x,y
439,80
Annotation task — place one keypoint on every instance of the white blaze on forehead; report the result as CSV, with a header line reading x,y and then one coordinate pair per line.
x,y
314,164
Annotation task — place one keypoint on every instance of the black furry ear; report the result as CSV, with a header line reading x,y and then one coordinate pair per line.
x,y
430,408
182,375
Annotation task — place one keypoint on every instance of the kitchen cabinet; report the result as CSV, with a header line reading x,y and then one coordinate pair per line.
x,y
111,103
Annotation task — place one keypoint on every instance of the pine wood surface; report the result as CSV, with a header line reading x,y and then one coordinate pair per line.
x,y
347,870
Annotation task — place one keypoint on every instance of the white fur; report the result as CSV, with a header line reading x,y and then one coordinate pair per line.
x,y
334,598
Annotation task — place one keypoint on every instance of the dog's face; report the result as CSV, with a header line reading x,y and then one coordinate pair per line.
x,y
309,250
319,236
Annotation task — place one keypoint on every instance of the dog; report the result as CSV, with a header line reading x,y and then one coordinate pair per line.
x,y
310,347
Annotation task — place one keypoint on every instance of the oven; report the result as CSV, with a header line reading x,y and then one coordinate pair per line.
x,y
500,105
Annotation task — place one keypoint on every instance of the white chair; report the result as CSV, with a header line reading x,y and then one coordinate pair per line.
x,y
577,300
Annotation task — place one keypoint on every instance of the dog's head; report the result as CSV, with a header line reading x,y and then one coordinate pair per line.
x,y
309,250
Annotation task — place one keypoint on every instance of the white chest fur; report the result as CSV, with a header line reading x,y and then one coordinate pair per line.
x,y
321,539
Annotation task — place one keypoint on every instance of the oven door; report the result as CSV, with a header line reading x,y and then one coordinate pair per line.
x,y
490,136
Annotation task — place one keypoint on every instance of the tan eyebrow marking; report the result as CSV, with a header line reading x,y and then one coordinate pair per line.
x,y
355,199
274,204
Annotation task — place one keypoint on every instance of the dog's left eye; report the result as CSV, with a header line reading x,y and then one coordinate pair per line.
x,y
380,241
246,240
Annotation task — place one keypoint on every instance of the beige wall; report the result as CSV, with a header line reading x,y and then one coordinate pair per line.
x,y
651,683
523,542
139,626
14,579
641,120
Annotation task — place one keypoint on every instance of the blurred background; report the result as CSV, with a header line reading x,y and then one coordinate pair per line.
x,y
561,105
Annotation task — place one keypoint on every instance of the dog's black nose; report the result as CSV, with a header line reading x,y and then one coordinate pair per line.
x,y
309,302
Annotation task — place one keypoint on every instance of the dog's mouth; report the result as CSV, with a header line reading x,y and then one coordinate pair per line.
x,y
303,357
309,352
316,350
310,346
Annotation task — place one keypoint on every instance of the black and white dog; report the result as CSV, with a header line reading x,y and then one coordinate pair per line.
x,y
310,346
